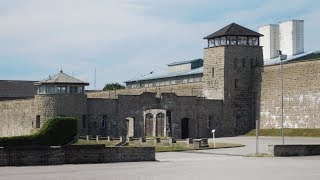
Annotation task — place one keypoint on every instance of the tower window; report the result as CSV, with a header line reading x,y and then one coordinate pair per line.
x,y
236,83
212,72
210,119
104,119
243,63
84,121
38,121
251,63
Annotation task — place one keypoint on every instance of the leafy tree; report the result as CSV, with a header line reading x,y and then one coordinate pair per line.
x,y
113,86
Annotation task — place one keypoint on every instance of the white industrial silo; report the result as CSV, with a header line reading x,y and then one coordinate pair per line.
x,y
269,40
291,37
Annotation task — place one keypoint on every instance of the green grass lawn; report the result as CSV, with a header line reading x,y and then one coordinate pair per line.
x,y
163,146
287,132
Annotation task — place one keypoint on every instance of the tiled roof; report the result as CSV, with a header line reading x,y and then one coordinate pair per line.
x,y
61,78
298,57
167,75
233,29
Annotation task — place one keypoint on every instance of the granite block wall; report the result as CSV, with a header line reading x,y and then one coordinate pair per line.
x,y
301,95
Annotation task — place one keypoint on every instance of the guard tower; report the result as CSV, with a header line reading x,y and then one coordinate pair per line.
x,y
62,95
232,55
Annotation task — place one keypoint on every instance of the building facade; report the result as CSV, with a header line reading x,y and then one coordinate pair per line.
x,y
237,88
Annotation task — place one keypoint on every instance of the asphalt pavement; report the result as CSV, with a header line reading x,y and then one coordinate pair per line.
x,y
204,164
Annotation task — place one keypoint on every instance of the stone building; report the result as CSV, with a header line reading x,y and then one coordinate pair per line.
x,y
182,72
235,88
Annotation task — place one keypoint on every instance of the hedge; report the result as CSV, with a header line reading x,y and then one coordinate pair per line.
x,y
55,131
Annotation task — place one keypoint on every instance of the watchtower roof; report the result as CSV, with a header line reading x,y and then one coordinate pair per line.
x,y
61,78
233,29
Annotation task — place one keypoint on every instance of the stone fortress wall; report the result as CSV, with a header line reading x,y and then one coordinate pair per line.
x,y
301,105
301,95
16,117
116,113
228,75
189,89
53,105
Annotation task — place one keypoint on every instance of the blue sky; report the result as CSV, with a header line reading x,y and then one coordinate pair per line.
x,y
124,39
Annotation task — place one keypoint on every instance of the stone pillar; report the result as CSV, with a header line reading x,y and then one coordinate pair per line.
x,y
172,140
109,138
122,139
97,138
88,137
196,143
189,141
142,139
156,140
204,142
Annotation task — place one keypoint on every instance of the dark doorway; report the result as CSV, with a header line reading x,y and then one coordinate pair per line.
x,y
184,128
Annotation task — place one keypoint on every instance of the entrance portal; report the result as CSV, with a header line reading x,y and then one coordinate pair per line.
x,y
184,128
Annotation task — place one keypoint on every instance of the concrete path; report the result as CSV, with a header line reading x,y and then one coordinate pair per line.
x,y
250,143
206,164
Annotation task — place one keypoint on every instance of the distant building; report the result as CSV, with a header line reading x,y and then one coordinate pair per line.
x,y
291,37
190,71
270,40
15,89
287,36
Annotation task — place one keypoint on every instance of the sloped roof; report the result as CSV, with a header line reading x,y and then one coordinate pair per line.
x,y
293,58
184,62
12,89
61,78
233,29
167,75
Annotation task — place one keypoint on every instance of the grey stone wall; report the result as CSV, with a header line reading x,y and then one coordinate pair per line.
x,y
301,95
53,105
229,75
77,154
214,73
100,110
196,110
17,117
189,89
294,150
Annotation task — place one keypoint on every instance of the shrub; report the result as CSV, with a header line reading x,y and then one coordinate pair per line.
x,y
56,131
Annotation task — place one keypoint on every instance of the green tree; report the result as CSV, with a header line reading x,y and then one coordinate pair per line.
x,y
113,86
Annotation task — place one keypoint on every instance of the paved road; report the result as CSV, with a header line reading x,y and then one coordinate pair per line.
x,y
206,164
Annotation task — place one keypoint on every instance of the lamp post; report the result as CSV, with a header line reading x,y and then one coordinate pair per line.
x,y
282,57
214,140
